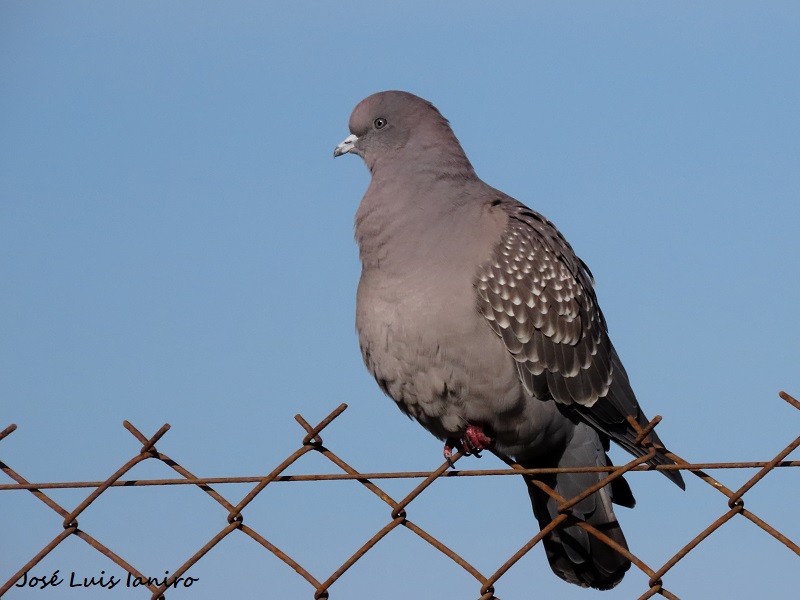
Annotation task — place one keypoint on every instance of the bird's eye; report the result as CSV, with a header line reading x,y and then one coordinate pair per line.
x,y
379,123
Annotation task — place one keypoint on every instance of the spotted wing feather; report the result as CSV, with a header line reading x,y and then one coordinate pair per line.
x,y
538,296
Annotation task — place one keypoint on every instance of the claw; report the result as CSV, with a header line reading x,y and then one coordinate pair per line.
x,y
473,442
449,446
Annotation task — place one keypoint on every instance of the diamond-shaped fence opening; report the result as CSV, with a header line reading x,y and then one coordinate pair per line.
x,y
231,507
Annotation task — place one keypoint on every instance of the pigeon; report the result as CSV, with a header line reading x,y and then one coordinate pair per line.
x,y
475,315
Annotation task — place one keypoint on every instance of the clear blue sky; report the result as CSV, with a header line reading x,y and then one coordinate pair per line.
x,y
176,246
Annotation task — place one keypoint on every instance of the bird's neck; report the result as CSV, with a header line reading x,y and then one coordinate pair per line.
x,y
404,222
424,160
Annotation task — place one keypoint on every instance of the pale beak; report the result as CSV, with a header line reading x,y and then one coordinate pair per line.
x,y
346,145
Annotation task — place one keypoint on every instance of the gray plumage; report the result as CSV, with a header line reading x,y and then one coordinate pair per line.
x,y
473,310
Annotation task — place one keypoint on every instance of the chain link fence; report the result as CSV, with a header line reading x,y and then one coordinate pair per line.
x,y
321,587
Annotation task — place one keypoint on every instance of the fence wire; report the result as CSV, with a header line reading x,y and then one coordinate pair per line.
x,y
312,442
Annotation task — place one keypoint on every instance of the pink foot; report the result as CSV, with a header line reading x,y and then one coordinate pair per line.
x,y
472,442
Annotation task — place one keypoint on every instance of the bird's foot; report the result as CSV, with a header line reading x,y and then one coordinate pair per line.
x,y
473,441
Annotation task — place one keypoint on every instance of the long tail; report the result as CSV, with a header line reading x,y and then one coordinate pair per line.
x,y
575,555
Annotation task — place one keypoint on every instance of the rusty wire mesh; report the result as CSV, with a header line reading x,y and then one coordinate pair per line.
x,y
312,442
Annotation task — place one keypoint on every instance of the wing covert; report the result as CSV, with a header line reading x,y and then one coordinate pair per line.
x,y
538,297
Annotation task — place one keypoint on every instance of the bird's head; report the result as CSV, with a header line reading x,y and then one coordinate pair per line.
x,y
390,125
